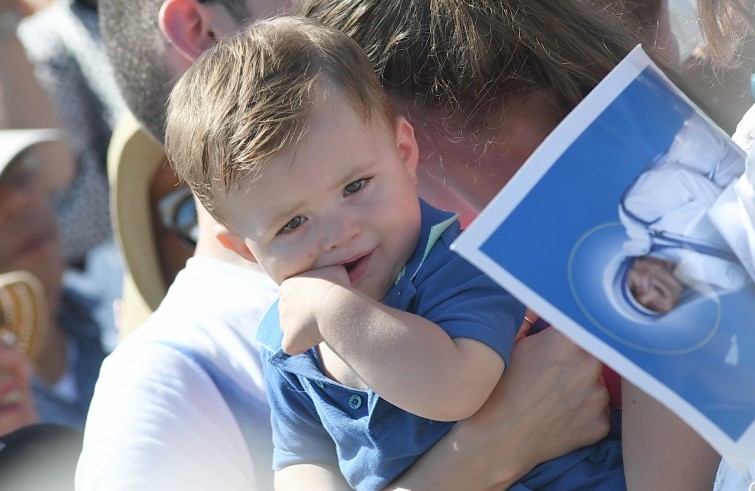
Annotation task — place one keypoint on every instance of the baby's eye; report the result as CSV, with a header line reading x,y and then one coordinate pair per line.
x,y
356,186
293,224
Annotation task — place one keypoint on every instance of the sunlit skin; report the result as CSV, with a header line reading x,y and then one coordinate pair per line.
x,y
343,198
463,170
653,284
29,241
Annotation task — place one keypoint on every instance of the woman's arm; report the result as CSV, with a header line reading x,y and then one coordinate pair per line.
x,y
548,403
659,448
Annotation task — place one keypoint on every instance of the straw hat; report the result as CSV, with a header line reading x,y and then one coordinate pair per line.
x,y
133,159
23,312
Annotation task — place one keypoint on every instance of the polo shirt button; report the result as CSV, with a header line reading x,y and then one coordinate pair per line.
x,y
355,402
319,384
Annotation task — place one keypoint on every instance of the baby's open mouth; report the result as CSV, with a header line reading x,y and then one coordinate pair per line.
x,y
357,268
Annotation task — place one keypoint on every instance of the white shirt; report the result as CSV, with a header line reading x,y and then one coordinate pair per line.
x,y
672,198
158,420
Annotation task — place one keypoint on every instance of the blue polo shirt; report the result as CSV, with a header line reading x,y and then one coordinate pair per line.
x,y
319,421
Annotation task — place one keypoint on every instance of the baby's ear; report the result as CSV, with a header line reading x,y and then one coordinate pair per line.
x,y
406,143
233,243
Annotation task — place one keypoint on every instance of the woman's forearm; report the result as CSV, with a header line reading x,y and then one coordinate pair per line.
x,y
659,448
548,403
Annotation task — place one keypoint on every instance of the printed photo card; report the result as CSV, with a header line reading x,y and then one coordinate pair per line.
x,y
630,229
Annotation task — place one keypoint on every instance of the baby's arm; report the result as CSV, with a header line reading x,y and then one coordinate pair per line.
x,y
406,359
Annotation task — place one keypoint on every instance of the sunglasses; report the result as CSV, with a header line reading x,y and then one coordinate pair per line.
x,y
178,214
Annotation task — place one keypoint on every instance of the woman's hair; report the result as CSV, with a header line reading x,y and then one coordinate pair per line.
x,y
459,55
250,97
466,59
725,27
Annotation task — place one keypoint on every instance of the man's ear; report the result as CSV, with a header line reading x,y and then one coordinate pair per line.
x,y
233,243
407,147
187,26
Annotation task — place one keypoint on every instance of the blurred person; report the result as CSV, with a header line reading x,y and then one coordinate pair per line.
x,y
150,43
63,45
200,339
66,365
25,102
39,457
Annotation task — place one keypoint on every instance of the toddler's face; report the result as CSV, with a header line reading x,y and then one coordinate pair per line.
x,y
653,284
344,195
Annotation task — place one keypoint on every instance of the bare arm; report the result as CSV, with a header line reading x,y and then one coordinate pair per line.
x,y
408,360
548,403
659,448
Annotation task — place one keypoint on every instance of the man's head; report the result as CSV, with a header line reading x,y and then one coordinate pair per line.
x,y
652,284
151,42
288,139
30,169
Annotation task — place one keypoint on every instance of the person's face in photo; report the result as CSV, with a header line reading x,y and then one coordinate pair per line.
x,y
343,195
653,284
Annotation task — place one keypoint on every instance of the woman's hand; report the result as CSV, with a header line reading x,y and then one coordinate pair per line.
x,y
549,402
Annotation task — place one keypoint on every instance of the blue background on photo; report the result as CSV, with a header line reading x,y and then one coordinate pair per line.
x,y
579,194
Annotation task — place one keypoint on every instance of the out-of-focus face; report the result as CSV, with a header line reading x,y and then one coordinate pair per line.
x,y
344,195
465,174
653,284
29,237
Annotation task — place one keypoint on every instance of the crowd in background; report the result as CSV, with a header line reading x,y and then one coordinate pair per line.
x,y
117,257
